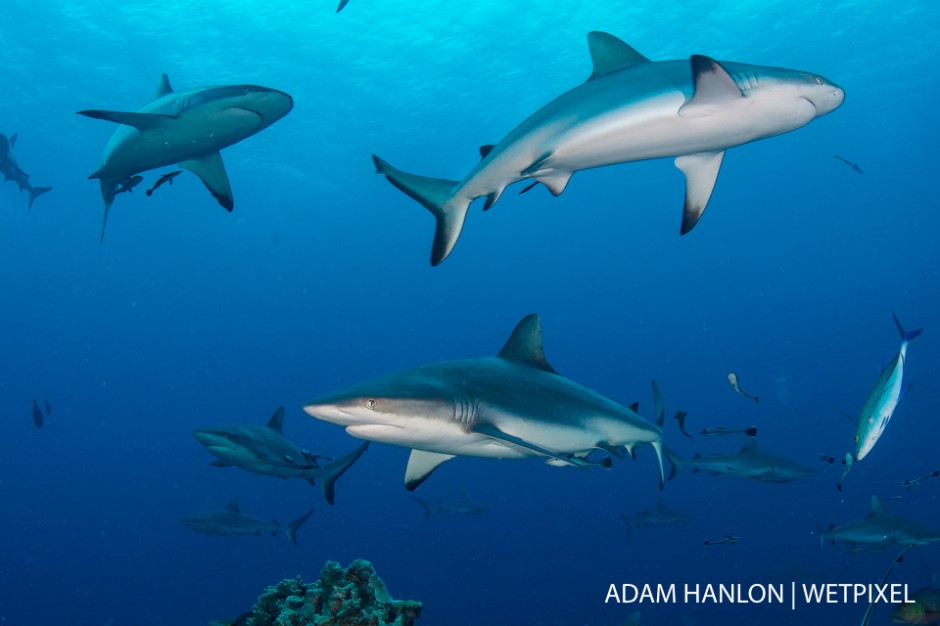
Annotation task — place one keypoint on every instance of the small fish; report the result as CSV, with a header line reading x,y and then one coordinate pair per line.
x,y
48,409
715,432
730,540
166,178
734,380
828,458
854,166
128,184
37,415
680,417
907,484
849,461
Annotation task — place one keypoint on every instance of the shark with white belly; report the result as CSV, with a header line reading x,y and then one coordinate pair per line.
x,y
630,109
187,128
511,406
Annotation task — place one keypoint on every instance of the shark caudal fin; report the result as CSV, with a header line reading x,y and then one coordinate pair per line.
x,y
436,195
108,187
424,504
676,462
337,468
35,192
291,529
906,336
658,446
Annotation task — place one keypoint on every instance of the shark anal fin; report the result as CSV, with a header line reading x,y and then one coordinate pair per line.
x,y
420,465
524,345
556,181
714,88
701,172
140,121
610,54
164,89
211,171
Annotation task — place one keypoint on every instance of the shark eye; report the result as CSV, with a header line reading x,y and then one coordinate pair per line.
x,y
370,403
819,81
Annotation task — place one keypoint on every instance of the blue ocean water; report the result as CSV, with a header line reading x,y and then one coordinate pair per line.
x,y
188,316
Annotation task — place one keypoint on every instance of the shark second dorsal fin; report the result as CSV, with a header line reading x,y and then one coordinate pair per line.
x,y
525,345
232,506
713,88
164,88
276,422
749,445
420,465
877,508
610,54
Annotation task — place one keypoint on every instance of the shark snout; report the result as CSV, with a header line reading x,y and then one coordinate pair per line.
x,y
270,104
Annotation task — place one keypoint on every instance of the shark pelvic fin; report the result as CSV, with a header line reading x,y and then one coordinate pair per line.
x,y
276,423
232,506
140,121
164,88
524,345
420,465
714,88
610,54
877,508
436,195
701,173
211,171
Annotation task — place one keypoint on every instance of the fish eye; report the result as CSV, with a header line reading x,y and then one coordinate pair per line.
x,y
819,81
370,403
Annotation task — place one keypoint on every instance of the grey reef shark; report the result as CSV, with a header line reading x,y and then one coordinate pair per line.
x,y
187,128
265,450
12,171
461,505
749,463
511,406
662,515
630,109
230,521
878,530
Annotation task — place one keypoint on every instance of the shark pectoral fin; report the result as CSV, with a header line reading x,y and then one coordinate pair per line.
x,y
610,54
436,195
524,345
140,121
714,88
701,172
420,465
211,171
164,89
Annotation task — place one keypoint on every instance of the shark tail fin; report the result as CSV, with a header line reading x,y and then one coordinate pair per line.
x,y
906,336
819,531
437,196
675,462
658,446
424,504
337,468
35,192
291,529
108,187
627,521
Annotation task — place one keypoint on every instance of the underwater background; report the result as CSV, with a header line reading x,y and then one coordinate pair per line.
x,y
188,316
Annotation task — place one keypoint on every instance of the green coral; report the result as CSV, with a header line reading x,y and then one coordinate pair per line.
x,y
354,596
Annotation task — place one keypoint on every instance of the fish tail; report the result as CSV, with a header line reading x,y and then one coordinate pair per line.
x,y
819,531
291,529
35,192
337,468
424,504
906,336
675,462
437,196
658,446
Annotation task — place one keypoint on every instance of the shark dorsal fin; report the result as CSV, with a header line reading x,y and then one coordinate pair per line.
x,y
13,143
877,508
750,445
525,345
164,88
276,422
714,87
610,54
232,506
